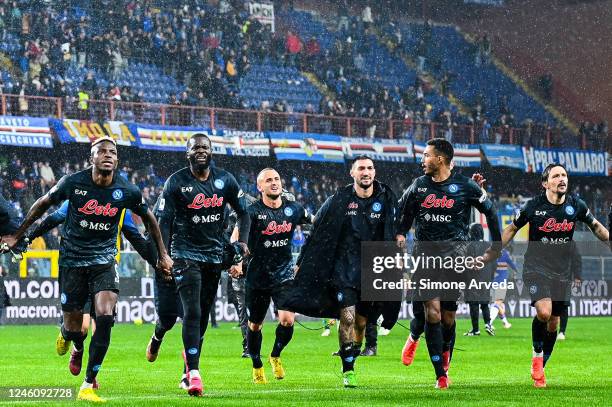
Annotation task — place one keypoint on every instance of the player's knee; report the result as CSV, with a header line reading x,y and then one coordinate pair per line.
x,y
544,315
448,318
347,319
434,316
553,324
255,327
286,322
360,324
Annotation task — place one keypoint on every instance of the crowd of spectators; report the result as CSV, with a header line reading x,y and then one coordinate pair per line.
x,y
208,49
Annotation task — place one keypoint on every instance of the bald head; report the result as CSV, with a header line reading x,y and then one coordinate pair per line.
x,y
269,183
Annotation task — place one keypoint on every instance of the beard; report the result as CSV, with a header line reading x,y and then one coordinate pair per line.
x,y
363,185
199,166
273,196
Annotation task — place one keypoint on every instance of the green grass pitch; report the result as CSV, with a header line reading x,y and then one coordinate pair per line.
x,y
485,371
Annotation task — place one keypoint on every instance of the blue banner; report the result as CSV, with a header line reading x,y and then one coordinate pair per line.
x,y
503,155
307,146
25,131
577,162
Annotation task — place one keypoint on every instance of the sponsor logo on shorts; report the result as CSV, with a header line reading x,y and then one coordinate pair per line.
x,y
219,184
96,368
117,194
435,358
192,351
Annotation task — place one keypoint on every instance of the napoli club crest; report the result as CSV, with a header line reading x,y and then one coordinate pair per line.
x,y
219,184
453,188
377,206
288,211
117,194
570,210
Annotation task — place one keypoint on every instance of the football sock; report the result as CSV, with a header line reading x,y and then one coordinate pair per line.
x,y
433,336
283,336
254,339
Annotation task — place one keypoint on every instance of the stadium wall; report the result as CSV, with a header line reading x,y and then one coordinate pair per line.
x,y
36,301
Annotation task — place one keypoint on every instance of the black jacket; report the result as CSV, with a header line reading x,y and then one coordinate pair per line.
x,y
311,293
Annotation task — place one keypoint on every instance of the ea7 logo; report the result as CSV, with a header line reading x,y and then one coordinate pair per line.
x,y
186,189
80,192
422,189
540,213
262,217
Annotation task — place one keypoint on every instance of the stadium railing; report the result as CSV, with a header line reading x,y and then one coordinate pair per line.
x,y
253,120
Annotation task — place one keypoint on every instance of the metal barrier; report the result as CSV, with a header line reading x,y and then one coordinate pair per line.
x,y
252,120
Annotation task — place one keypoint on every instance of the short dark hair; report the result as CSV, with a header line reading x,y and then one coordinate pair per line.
x,y
361,157
198,135
549,168
443,147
